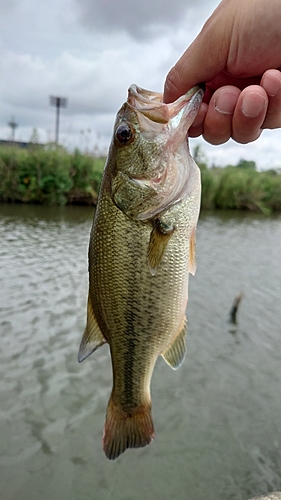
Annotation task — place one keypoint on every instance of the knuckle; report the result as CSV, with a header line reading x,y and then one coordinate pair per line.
x,y
244,138
216,139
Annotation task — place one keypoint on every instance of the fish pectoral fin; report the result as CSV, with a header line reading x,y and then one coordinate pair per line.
x,y
92,337
192,254
175,352
159,238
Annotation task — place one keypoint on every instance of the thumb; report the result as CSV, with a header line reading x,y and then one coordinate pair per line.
x,y
204,59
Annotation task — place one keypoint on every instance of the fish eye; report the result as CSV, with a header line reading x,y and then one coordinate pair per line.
x,y
124,133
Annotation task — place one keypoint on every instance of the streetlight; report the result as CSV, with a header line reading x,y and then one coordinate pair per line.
x,y
59,102
13,126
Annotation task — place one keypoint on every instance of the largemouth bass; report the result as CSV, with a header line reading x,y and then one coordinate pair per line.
x,y
142,247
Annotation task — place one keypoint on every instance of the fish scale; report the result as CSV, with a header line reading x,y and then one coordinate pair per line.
x,y
141,252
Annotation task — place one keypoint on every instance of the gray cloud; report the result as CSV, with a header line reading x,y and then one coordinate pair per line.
x,y
90,51
141,19
8,5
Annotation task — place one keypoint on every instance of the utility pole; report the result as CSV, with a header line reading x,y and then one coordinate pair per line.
x,y
59,102
13,126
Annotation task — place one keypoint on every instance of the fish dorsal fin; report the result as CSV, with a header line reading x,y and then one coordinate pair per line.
x,y
175,352
92,337
159,239
192,254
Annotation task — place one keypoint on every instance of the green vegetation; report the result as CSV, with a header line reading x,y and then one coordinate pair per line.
x,y
239,187
53,176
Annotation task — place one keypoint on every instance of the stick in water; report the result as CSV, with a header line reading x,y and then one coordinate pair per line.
x,y
234,309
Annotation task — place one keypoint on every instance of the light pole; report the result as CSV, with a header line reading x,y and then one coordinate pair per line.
x,y
13,126
59,102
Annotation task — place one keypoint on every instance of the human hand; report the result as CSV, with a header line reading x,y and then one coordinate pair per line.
x,y
234,54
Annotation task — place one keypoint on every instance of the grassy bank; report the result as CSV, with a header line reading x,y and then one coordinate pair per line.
x,y
54,176
51,176
235,187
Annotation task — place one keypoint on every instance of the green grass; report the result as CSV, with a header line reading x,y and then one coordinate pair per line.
x,y
55,177
233,187
239,186
51,176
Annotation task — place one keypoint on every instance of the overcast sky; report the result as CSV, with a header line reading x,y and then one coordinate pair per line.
x,y
90,51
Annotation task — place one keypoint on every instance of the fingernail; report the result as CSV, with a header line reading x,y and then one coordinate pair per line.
x,y
252,105
271,85
225,103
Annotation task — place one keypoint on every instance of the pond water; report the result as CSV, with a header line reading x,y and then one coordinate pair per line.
x,y
217,419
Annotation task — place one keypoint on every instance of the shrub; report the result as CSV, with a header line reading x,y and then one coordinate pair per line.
x,y
47,175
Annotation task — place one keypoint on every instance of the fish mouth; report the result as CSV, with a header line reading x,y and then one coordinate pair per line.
x,y
150,104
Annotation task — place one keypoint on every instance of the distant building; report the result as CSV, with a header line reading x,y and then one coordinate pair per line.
x,y
19,144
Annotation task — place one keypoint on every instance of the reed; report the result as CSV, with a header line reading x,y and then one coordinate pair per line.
x,y
51,176
241,187
55,177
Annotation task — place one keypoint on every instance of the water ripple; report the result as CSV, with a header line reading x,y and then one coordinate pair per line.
x,y
217,418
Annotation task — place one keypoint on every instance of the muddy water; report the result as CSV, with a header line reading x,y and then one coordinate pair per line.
x,y
217,419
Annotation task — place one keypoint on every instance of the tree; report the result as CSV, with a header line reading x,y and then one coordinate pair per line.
x,y
246,164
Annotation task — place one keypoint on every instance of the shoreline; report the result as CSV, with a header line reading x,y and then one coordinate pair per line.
x,y
56,177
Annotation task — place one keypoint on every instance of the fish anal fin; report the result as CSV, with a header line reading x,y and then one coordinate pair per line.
x,y
126,429
159,239
192,253
92,337
175,352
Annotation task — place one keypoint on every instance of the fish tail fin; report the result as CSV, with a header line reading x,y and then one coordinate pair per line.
x,y
124,430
